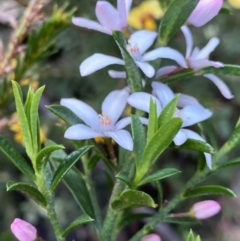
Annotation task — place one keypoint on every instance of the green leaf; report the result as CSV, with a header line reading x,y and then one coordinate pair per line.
x,y
234,162
225,11
65,114
16,158
160,141
152,120
158,175
201,162
196,145
30,190
175,16
191,236
133,75
139,138
168,111
133,198
123,176
209,190
66,165
28,102
46,151
232,142
83,219
34,119
25,128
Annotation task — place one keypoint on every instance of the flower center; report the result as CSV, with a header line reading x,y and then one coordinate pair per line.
x,y
179,113
105,122
133,49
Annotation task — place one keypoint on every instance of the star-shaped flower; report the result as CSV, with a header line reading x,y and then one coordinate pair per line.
x,y
103,125
190,111
197,59
108,16
138,43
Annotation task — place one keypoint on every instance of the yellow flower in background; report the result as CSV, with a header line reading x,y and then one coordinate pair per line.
x,y
14,126
234,3
145,14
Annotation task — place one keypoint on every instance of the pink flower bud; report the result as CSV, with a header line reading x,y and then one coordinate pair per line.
x,y
151,237
23,230
204,12
205,209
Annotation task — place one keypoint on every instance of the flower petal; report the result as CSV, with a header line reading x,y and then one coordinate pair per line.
x,y
189,40
141,101
165,70
96,62
122,137
114,104
187,100
221,85
167,53
143,38
163,92
117,74
81,132
193,135
107,15
86,23
192,114
128,5
205,52
201,63
83,111
122,11
180,138
127,120
146,68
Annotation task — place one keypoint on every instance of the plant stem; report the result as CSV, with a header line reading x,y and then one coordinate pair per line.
x,y
92,193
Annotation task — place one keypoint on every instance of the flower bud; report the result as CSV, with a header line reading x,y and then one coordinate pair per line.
x,y
205,209
151,237
204,12
23,230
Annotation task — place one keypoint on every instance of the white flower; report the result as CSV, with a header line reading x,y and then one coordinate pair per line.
x,y
105,124
191,111
109,17
138,43
199,58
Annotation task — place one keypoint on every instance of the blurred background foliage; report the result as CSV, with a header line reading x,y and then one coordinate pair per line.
x,y
57,67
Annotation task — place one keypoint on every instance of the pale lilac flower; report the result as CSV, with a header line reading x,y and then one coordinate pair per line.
x,y
103,125
197,59
191,111
204,12
138,43
108,16
205,209
151,237
23,230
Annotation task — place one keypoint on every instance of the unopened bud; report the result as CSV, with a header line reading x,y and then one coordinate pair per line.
x,y
205,209
204,12
151,237
23,230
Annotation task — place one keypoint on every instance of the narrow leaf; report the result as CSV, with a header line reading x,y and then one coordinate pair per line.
x,y
209,190
158,175
25,128
152,120
123,176
83,219
30,190
16,158
28,102
160,141
133,198
46,151
175,16
139,138
191,236
34,118
68,162
234,162
168,111
133,75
